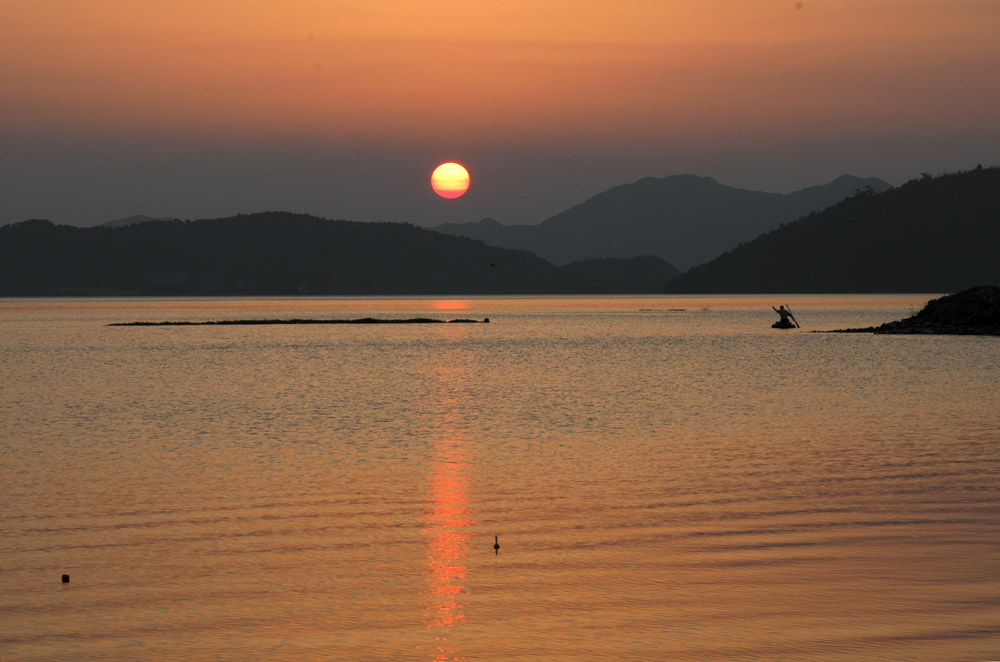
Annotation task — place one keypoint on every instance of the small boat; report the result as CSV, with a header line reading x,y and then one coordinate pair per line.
x,y
783,324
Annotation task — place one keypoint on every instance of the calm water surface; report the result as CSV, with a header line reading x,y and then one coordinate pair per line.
x,y
670,479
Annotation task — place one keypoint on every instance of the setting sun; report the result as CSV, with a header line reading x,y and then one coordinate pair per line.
x,y
450,180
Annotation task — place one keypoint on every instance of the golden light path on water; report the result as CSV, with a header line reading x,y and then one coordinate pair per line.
x,y
449,525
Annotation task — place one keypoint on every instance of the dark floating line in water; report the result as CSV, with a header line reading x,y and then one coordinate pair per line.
x,y
251,322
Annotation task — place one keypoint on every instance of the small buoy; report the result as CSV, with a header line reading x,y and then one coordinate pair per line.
x,y
496,544
65,579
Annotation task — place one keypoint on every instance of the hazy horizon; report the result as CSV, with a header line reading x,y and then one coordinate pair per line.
x,y
431,225
193,111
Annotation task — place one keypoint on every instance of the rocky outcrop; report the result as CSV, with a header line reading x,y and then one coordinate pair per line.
x,y
972,312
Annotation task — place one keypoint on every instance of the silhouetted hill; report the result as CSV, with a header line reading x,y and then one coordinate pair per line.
x,y
683,219
132,220
283,253
614,275
935,234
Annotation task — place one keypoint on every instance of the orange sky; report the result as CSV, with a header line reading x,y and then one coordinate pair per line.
x,y
458,79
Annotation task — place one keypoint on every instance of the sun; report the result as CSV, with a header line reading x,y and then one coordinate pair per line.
x,y
450,180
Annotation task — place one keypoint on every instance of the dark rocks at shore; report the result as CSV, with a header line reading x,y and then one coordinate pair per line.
x,y
251,322
972,312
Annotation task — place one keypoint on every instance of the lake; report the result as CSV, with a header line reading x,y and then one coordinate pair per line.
x,y
668,479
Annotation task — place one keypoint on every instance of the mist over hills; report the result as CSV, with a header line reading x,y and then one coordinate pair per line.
x,y
283,253
933,234
683,219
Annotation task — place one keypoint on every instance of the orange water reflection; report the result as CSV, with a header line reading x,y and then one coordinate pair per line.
x,y
450,304
449,524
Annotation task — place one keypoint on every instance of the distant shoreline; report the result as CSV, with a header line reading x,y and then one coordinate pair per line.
x,y
971,312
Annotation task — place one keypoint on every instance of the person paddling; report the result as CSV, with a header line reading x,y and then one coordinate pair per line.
x,y
786,316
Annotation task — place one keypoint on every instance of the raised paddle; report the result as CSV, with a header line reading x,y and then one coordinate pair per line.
x,y
792,316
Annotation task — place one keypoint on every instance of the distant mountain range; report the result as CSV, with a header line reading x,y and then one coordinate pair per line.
x,y
684,220
282,253
934,234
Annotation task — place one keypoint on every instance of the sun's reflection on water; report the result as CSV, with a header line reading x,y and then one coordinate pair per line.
x,y
448,526
450,304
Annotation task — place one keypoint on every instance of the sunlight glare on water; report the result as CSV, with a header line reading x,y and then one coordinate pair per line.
x,y
669,478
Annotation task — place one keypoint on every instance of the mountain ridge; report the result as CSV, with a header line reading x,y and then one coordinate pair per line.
x,y
683,219
132,220
933,234
283,253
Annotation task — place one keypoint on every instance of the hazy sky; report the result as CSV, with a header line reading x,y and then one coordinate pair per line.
x,y
342,108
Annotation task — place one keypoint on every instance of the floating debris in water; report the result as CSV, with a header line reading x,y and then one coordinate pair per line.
x,y
248,322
